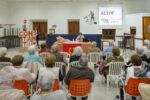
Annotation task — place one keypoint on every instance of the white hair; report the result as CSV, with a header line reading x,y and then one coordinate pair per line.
x,y
78,51
31,50
46,81
7,74
140,51
146,42
3,51
83,61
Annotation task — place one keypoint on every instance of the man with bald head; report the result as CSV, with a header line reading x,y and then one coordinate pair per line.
x,y
93,48
80,72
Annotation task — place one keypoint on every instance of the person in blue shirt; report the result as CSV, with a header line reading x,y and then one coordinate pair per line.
x,y
32,57
109,49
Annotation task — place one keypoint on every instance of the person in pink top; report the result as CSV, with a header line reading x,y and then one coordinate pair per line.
x,y
44,49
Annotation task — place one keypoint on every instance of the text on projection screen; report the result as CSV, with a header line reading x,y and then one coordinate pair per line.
x,y
110,15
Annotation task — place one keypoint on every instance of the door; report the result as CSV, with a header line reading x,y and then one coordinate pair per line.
x,y
73,27
146,28
42,26
133,33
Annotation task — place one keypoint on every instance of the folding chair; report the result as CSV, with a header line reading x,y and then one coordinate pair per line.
x,y
94,58
74,63
132,86
79,88
115,70
22,85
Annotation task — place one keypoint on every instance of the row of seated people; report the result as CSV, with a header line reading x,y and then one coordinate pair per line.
x,y
133,68
45,79
71,74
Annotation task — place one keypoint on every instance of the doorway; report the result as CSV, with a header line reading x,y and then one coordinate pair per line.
x,y
133,33
73,27
146,28
42,26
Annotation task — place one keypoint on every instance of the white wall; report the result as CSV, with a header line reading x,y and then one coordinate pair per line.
x,y
4,12
57,13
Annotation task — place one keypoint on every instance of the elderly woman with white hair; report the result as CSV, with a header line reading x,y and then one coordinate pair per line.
x,y
32,57
146,45
3,52
7,90
46,82
77,54
80,72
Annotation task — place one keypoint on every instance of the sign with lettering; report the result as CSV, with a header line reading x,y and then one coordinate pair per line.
x,y
28,38
110,15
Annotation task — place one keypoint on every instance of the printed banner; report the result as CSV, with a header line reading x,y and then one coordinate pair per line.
x,y
70,47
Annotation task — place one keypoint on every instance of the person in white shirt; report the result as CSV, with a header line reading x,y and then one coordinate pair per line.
x,y
80,37
46,83
135,71
50,65
22,73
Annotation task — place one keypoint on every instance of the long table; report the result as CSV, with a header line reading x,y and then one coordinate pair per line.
x,y
69,46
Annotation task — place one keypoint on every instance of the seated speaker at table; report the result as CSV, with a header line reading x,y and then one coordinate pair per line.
x,y
80,37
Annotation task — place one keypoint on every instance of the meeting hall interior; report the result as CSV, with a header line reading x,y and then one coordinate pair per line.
x,y
74,49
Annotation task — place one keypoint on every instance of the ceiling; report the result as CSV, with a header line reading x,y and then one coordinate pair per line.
x,y
62,0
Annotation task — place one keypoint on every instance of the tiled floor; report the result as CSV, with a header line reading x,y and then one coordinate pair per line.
x,y
99,90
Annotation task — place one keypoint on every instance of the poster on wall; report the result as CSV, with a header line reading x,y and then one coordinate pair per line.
x,y
110,15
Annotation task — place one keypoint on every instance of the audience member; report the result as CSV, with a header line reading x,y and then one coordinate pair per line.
x,y
80,72
93,48
77,54
22,73
44,49
115,58
80,37
32,57
135,71
3,53
109,49
7,89
50,65
146,44
46,82
139,52
59,58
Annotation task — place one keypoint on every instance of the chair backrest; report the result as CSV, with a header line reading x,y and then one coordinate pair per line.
x,y
147,53
115,68
43,55
33,67
4,64
56,85
108,54
66,54
79,87
132,85
60,65
94,57
22,85
74,63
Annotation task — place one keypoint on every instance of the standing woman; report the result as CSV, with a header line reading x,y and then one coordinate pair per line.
x,y
37,36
